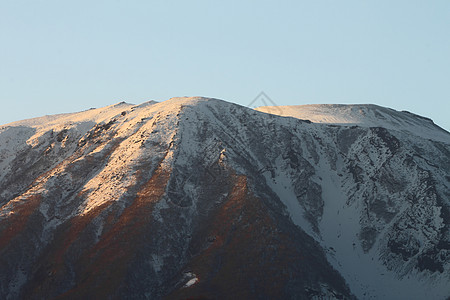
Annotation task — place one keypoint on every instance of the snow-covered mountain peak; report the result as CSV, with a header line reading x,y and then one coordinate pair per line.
x,y
364,115
142,201
96,115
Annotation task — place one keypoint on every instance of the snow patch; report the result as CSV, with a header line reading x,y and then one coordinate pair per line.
x,y
191,281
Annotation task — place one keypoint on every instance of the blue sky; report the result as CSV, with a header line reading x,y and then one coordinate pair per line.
x,y
66,56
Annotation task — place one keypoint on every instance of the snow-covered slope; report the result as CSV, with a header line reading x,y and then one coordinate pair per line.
x,y
365,115
197,197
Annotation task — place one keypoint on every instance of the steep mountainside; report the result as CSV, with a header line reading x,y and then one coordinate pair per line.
x,y
196,197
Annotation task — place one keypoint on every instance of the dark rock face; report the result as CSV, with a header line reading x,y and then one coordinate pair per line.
x,y
249,242
203,199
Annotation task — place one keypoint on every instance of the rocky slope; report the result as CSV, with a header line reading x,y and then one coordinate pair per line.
x,y
196,197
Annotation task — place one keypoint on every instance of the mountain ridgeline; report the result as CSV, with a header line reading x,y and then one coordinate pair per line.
x,y
201,198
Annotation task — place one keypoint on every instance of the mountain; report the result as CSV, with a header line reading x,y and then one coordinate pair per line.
x,y
363,115
201,198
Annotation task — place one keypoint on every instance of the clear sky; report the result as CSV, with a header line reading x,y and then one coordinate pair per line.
x,y
66,56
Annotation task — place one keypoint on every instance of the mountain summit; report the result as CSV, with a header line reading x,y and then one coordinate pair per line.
x,y
201,198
